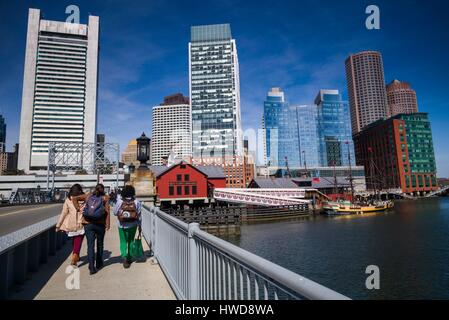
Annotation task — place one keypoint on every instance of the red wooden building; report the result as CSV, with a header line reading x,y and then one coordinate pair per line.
x,y
184,183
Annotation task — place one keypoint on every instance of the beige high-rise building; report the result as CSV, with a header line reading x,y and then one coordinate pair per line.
x,y
366,89
59,99
129,156
171,130
401,98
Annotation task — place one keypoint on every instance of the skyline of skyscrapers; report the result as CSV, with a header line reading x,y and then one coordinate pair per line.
x,y
171,129
366,89
214,87
59,100
60,97
310,135
401,98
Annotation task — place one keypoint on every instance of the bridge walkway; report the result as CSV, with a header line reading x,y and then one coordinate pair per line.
x,y
143,281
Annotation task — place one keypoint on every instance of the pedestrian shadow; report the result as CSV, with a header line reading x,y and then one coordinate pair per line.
x,y
109,260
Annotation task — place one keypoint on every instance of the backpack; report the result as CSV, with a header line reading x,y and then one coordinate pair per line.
x,y
94,209
128,211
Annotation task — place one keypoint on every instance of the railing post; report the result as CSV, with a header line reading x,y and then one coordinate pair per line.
x,y
154,231
5,274
21,263
193,263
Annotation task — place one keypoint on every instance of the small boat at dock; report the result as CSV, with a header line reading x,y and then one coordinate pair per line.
x,y
347,207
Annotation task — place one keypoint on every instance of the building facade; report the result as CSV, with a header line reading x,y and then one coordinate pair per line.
x,y
214,92
3,162
307,124
238,171
129,155
398,153
336,147
401,98
8,161
183,183
281,130
59,99
366,89
171,130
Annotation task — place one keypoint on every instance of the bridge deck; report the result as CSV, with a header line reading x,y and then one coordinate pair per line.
x,y
14,218
143,281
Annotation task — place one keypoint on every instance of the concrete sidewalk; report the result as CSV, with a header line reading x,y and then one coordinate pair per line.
x,y
142,281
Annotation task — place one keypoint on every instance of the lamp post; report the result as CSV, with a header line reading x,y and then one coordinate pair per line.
x,y
143,151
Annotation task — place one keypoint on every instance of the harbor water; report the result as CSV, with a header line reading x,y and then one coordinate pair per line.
x,y
409,244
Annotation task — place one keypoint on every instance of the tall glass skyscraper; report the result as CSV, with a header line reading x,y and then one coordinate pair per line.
x,y
307,124
281,131
334,128
214,92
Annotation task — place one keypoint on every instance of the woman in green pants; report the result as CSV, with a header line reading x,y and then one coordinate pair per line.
x,y
128,212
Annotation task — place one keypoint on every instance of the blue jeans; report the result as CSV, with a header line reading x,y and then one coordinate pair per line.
x,y
95,232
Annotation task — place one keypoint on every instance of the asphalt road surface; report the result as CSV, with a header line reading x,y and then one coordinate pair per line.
x,y
17,217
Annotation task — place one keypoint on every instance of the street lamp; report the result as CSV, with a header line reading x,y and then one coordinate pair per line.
x,y
143,150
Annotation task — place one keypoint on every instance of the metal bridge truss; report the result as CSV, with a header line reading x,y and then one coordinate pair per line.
x,y
35,195
263,197
83,158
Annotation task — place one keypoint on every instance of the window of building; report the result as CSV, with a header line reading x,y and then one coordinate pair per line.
x,y
194,191
179,177
171,190
187,190
179,190
186,177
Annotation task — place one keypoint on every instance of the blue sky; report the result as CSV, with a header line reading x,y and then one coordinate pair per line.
x,y
298,45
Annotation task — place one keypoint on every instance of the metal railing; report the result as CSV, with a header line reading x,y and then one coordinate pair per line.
x,y
200,266
24,250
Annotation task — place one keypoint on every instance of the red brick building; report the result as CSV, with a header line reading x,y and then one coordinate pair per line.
x,y
397,153
184,183
239,171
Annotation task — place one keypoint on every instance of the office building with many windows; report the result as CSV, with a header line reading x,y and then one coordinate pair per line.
x,y
59,100
398,153
307,124
336,147
366,89
214,92
401,98
281,130
171,130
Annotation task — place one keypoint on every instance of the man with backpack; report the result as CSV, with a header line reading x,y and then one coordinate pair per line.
x,y
96,221
128,212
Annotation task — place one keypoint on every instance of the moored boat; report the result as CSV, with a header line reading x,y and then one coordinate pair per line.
x,y
347,208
